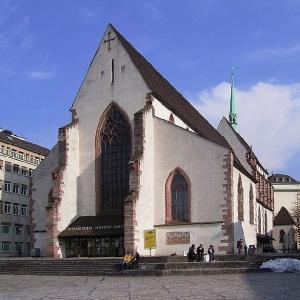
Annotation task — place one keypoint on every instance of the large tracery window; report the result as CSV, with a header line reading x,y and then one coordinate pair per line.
x,y
251,206
179,198
115,137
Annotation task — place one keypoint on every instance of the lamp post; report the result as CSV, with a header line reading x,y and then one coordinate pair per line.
x,y
20,236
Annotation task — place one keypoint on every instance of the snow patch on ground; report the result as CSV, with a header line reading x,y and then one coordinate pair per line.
x,y
282,265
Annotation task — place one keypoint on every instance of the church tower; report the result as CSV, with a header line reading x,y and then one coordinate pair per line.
x,y
232,112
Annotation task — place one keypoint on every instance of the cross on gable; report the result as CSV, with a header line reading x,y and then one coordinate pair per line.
x,y
108,41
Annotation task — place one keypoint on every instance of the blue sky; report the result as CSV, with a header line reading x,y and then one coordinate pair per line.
x,y
46,48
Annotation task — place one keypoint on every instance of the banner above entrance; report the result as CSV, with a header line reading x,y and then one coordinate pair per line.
x,y
95,226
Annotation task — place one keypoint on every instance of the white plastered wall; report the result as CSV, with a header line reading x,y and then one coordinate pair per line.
x,y
203,165
162,112
290,237
41,186
243,229
240,151
144,204
96,93
205,234
68,205
285,195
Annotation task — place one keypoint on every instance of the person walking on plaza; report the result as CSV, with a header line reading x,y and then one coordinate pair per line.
x,y
240,246
200,253
245,249
211,253
191,254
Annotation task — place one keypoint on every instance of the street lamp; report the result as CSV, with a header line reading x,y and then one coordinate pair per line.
x,y
19,228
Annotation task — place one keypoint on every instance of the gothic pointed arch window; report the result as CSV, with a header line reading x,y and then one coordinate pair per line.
x,y
281,236
259,221
178,194
113,150
240,200
266,223
251,205
171,118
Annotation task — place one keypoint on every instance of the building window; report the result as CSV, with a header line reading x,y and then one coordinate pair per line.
x,y
7,151
266,223
16,169
1,164
240,200
24,210
259,221
5,228
281,236
7,186
27,157
21,155
16,188
171,118
18,229
28,247
27,230
2,149
178,197
16,209
18,247
24,171
251,206
1,207
112,164
5,246
24,190
7,207
14,153
8,166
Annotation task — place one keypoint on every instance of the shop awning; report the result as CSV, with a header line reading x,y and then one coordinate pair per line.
x,y
264,237
95,226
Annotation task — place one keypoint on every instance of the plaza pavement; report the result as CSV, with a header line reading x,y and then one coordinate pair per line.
x,y
236,286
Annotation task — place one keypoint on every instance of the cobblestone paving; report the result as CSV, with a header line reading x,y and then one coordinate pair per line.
x,y
237,286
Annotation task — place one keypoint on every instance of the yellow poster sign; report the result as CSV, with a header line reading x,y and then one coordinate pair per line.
x,y
150,239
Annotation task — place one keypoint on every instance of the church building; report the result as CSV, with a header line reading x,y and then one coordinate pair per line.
x,y
138,156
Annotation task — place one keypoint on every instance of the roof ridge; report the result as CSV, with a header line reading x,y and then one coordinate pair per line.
x,y
170,97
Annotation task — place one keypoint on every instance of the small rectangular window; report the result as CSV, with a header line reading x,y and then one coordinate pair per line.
x,y
5,246
16,188
24,210
16,209
16,169
8,166
24,190
5,228
7,207
18,229
7,187
24,171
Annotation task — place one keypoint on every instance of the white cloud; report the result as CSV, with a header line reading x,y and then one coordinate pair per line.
x,y
40,75
268,118
271,53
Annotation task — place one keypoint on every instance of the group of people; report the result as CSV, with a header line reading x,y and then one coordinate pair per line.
x,y
198,254
130,261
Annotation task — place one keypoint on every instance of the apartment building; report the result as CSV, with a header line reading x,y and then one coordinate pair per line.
x,y
18,159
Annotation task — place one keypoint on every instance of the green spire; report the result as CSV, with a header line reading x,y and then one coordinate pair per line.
x,y
232,113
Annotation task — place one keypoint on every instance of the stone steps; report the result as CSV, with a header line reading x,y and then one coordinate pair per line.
x,y
110,266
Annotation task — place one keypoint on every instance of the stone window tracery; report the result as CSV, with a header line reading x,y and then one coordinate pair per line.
x,y
113,159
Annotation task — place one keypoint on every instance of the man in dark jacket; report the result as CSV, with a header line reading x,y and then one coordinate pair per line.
x,y
191,254
200,253
211,253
